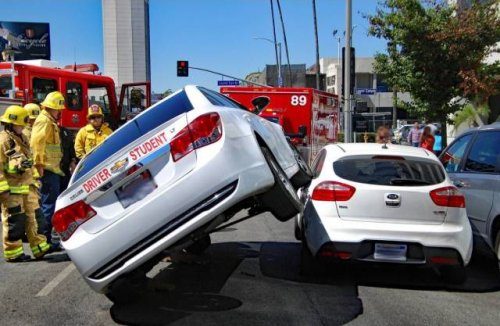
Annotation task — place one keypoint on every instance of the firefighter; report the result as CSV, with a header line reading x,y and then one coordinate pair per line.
x,y
47,154
94,133
18,207
33,112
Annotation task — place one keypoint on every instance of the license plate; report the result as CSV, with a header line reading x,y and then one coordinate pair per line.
x,y
386,251
136,189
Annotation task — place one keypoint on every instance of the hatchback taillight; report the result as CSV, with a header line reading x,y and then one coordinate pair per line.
x,y
448,197
202,131
333,191
66,220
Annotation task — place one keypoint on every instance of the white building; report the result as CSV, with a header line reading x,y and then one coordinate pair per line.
x,y
126,40
369,87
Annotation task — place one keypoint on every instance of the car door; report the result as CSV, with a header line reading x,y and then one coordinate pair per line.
x,y
479,177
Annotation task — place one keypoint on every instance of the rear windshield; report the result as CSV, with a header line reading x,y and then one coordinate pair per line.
x,y
141,125
386,172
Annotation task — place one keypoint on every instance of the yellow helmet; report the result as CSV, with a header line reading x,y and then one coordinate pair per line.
x,y
54,100
94,109
33,110
16,115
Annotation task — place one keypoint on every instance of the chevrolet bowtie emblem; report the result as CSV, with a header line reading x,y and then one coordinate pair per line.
x,y
119,165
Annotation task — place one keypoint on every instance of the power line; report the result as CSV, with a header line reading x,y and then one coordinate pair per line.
x,y
286,43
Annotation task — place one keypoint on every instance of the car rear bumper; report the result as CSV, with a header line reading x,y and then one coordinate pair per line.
x,y
358,238
170,215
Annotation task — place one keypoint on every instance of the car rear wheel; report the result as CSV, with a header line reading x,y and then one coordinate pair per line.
x,y
200,245
453,274
304,176
281,200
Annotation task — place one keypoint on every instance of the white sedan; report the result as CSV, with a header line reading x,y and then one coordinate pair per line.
x,y
167,178
385,203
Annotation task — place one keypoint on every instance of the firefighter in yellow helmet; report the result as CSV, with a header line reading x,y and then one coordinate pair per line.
x,y
47,154
33,112
94,133
18,211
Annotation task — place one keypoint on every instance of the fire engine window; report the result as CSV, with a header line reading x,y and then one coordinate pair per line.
x,y
42,87
99,95
74,96
5,85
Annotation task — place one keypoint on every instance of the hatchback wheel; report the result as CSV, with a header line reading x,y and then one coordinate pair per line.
x,y
281,200
304,176
497,247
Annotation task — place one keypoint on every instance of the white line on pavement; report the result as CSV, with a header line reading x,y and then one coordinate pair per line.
x,y
56,280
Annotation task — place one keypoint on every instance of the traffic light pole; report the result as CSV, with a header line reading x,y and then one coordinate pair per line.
x,y
347,78
221,74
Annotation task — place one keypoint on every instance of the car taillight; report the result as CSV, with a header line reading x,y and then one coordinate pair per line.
x,y
448,196
333,191
68,219
202,131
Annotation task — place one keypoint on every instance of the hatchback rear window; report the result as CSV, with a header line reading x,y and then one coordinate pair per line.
x,y
149,120
389,172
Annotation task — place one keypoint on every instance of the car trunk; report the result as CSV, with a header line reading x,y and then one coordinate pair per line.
x,y
390,190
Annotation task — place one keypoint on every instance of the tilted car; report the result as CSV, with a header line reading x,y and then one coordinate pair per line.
x,y
385,203
167,178
473,163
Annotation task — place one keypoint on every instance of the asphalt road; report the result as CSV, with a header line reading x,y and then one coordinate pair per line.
x,y
252,275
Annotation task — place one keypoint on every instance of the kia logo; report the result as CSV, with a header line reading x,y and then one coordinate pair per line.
x,y
392,196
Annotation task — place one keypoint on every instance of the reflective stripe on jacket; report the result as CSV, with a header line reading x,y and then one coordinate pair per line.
x,y
46,143
88,137
15,159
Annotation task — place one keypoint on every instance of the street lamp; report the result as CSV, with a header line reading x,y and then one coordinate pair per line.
x,y
335,32
278,59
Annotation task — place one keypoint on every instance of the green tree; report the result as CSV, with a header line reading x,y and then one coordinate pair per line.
x,y
437,53
166,93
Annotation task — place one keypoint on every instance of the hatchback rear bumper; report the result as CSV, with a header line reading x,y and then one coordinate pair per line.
x,y
358,238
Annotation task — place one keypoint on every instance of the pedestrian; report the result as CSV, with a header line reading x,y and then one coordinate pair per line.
x,y
33,112
383,135
427,139
16,179
414,135
94,133
438,143
47,154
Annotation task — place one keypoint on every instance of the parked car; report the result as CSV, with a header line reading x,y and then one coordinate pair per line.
x,y
168,177
473,163
385,203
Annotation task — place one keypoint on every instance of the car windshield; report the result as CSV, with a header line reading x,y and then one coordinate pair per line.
x,y
389,172
151,118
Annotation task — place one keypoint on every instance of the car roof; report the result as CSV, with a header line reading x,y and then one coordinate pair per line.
x,y
343,149
493,126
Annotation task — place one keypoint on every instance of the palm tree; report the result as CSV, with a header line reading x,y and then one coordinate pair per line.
x,y
472,116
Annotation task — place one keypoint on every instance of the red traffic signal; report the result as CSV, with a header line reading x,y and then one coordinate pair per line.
x,y
182,68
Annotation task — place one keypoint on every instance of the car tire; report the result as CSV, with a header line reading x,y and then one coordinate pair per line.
x,y
453,274
127,289
304,176
497,248
200,245
297,230
281,200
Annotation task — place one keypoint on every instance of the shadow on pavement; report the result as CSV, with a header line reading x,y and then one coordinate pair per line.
x,y
245,284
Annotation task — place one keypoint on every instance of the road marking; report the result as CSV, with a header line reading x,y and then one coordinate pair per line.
x,y
56,280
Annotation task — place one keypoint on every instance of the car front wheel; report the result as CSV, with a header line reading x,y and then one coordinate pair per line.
x,y
281,200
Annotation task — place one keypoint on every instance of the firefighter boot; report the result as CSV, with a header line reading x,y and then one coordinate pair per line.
x,y
38,242
13,222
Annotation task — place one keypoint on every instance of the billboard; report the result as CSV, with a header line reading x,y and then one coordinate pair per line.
x,y
29,40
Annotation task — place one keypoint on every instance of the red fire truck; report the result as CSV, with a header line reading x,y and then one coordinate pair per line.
x,y
308,116
81,86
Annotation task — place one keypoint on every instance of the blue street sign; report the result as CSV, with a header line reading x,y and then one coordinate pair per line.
x,y
366,91
228,83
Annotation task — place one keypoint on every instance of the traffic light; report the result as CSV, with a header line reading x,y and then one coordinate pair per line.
x,y
182,68
352,72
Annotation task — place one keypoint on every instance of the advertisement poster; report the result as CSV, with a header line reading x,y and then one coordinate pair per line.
x,y
29,41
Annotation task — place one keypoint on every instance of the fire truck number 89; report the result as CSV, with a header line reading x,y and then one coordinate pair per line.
x,y
298,100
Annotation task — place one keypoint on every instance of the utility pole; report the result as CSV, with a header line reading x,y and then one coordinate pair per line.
x,y
275,44
347,75
317,45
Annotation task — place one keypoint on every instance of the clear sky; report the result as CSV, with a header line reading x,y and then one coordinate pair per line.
x,y
213,34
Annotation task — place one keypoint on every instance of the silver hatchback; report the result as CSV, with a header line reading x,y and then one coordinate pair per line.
x,y
473,163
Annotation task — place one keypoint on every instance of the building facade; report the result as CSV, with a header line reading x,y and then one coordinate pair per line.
x,y
126,40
